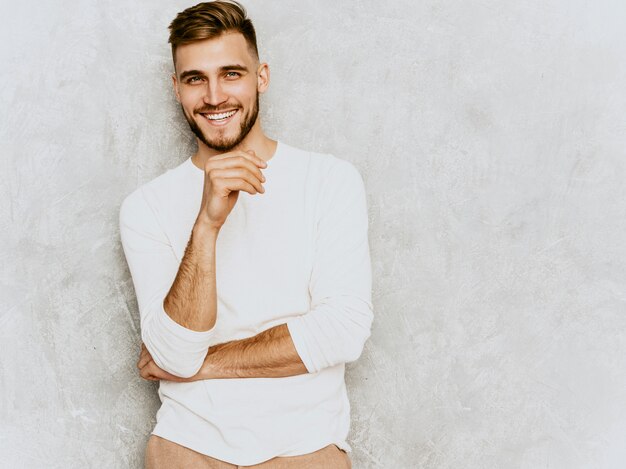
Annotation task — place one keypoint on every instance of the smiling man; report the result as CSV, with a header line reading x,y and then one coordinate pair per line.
x,y
251,266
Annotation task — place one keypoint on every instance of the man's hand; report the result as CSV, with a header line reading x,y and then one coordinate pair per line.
x,y
224,176
150,371
192,299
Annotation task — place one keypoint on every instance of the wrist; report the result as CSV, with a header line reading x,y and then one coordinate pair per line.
x,y
205,228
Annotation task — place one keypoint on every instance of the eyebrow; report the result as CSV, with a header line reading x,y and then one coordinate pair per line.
x,y
224,68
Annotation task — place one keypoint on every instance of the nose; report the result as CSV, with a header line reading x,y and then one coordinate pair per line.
x,y
214,94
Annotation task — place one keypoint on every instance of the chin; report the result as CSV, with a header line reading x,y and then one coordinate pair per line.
x,y
222,144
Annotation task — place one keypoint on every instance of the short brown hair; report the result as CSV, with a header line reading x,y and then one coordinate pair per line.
x,y
208,20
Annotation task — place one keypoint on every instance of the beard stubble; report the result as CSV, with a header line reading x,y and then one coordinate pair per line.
x,y
222,144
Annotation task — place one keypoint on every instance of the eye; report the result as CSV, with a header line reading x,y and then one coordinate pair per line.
x,y
232,74
193,79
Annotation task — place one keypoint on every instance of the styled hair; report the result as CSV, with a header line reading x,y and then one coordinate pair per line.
x,y
208,20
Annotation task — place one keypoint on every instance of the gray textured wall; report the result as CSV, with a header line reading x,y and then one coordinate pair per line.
x,y
491,137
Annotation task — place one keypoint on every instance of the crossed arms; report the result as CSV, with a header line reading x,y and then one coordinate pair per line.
x,y
177,345
270,354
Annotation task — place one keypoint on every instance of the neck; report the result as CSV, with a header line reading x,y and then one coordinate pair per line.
x,y
263,146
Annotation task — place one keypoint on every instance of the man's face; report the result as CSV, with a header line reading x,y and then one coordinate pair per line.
x,y
217,83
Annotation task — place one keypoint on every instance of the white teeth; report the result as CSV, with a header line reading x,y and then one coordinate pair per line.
x,y
224,115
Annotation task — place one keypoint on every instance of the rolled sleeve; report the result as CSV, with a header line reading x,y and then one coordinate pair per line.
x,y
153,267
335,329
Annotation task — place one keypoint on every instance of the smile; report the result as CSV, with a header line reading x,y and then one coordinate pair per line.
x,y
220,118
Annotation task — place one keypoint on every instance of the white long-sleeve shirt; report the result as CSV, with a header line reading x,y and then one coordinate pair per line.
x,y
297,254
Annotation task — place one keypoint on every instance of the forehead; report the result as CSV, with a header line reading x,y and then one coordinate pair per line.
x,y
210,54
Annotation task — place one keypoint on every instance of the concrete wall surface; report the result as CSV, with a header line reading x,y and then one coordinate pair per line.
x,y
491,137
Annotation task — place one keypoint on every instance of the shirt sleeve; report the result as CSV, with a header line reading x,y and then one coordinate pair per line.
x,y
339,322
153,267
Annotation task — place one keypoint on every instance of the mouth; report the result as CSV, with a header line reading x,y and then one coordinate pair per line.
x,y
219,118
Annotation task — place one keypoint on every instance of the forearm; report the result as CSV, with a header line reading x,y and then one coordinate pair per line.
x,y
192,299
270,354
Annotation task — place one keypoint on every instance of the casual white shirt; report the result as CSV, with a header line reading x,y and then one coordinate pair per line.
x,y
296,254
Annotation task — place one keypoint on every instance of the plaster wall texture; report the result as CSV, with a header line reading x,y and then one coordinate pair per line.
x,y
491,138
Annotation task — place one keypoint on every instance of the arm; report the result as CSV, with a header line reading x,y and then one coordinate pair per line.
x,y
336,327
338,324
269,354
192,300
178,302
153,266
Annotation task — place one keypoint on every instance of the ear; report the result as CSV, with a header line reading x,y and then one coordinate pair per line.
x,y
175,85
263,77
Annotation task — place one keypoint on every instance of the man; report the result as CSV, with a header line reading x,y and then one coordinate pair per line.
x,y
251,266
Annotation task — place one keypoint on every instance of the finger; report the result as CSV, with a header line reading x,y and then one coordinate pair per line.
x,y
245,154
234,162
164,375
259,161
144,373
152,371
227,185
249,153
144,360
237,173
